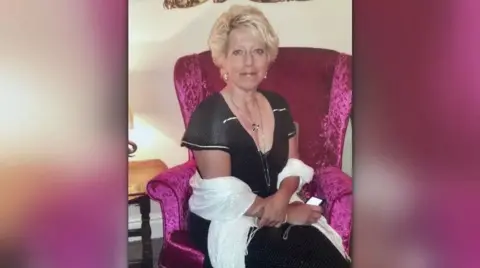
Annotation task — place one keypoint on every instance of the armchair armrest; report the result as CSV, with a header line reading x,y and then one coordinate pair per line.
x,y
171,189
336,187
334,183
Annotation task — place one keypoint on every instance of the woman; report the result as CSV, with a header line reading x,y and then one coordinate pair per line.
x,y
248,134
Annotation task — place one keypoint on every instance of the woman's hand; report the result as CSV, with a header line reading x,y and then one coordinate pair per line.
x,y
303,214
274,210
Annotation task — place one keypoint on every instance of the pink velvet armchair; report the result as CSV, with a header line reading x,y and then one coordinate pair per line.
x,y
317,85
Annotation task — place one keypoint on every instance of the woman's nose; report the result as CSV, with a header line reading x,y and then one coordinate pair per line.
x,y
248,59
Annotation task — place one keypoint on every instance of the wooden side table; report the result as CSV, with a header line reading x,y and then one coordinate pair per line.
x,y
139,174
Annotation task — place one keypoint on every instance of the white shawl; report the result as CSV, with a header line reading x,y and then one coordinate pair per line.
x,y
225,200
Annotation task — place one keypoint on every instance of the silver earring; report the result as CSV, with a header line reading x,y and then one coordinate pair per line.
x,y
265,77
225,77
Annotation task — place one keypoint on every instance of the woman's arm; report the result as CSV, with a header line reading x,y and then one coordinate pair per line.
x,y
290,185
215,163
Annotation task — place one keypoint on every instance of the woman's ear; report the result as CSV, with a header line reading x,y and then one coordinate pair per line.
x,y
224,74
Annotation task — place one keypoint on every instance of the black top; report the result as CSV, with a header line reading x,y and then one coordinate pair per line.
x,y
213,126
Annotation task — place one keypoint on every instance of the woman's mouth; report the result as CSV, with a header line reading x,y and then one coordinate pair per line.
x,y
248,74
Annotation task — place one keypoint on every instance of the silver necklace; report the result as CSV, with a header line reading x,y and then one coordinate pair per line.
x,y
255,127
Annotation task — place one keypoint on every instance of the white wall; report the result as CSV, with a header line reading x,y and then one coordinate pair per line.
x,y
158,37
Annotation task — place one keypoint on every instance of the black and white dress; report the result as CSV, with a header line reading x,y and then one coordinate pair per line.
x,y
213,126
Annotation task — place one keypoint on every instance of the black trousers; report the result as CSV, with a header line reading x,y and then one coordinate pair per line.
x,y
302,247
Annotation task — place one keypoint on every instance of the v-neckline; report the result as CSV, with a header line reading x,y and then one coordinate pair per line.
x,y
245,130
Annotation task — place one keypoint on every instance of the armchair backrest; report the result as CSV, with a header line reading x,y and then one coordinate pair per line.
x,y
316,83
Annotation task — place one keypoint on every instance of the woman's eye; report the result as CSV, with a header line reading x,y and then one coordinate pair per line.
x,y
237,52
259,51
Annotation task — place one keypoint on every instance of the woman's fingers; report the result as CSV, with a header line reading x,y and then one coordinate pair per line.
x,y
263,221
315,214
271,221
267,221
316,208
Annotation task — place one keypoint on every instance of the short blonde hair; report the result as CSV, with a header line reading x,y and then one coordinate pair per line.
x,y
239,16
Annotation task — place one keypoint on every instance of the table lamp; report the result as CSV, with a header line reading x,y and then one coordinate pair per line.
x,y
132,147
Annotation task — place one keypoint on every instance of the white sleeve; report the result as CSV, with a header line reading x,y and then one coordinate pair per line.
x,y
296,168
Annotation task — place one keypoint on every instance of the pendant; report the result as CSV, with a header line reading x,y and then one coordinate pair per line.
x,y
255,127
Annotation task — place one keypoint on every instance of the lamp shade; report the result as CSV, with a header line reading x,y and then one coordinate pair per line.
x,y
130,118
132,147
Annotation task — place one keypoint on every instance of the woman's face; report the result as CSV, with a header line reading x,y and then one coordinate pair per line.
x,y
246,61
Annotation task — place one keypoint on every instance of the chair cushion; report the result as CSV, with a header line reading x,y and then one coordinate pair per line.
x,y
181,238
179,252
